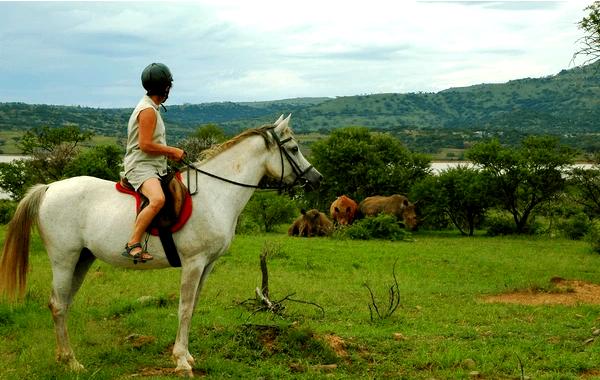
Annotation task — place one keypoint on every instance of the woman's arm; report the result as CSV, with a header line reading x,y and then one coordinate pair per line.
x,y
147,125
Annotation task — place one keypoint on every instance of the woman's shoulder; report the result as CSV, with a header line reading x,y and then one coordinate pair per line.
x,y
143,104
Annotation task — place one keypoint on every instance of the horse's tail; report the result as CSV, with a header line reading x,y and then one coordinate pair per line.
x,y
15,255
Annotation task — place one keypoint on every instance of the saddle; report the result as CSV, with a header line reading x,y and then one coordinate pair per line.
x,y
178,203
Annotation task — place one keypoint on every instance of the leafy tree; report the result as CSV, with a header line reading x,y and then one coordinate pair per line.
x,y
16,177
210,132
269,209
590,24
103,161
461,193
526,176
359,163
52,152
52,149
584,188
203,138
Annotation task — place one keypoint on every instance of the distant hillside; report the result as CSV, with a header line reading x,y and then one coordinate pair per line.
x,y
181,119
565,104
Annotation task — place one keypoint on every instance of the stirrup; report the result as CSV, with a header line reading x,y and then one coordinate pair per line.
x,y
138,256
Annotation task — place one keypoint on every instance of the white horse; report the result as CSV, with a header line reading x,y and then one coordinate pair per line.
x,y
81,219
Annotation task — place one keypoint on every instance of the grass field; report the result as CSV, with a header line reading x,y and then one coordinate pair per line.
x,y
123,323
9,142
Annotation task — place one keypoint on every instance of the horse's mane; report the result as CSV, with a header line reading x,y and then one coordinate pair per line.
x,y
262,131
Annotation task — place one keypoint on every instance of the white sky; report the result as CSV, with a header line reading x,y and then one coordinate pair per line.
x,y
92,54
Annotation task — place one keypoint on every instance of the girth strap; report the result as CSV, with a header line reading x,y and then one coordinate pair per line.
x,y
166,238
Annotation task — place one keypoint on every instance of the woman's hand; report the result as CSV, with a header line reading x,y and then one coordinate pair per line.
x,y
175,154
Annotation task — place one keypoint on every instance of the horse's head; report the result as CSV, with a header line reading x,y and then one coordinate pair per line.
x,y
286,163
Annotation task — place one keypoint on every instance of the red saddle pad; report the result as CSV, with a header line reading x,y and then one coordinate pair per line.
x,y
186,209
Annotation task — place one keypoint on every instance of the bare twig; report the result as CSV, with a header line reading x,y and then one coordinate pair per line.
x,y
373,302
393,298
287,298
521,367
265,273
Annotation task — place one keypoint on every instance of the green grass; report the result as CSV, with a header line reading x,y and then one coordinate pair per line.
x,y
442,318
8,142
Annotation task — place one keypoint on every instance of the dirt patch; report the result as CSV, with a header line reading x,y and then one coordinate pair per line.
x,y
590,374
139,341
562,292
337,344
169,372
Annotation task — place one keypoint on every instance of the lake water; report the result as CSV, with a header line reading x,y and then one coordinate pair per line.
x,y
437,167
10,157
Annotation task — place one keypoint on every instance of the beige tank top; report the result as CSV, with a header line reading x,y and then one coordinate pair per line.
x,y
134,157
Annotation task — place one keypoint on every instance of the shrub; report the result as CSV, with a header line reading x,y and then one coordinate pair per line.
x,y
7,210
575,227
593,235
382,226
102,161
246,225
499,223
268,210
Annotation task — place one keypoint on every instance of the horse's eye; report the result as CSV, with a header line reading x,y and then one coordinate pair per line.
x,y
295,149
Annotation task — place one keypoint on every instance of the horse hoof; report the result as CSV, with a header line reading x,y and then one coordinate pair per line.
x,y
75,366
184,372
190,360
70,361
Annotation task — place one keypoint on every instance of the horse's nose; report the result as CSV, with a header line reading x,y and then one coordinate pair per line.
x,y
318,177
313,179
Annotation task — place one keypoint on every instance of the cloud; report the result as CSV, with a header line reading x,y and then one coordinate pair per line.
x,y
517,5
224,50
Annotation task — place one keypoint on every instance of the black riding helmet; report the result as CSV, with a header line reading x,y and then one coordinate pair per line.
x,y
157,79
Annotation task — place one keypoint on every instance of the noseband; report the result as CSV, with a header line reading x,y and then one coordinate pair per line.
x,y
300,174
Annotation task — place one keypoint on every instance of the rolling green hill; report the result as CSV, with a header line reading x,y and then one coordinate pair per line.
x,y
565,104
182,119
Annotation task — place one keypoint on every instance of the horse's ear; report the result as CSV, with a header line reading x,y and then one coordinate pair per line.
x,y
284,123
278,120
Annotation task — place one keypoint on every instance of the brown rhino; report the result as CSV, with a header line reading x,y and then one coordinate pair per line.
x,y
311,223
343,210
397,205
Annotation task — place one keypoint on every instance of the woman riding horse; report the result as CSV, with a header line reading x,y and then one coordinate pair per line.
x,y
147,152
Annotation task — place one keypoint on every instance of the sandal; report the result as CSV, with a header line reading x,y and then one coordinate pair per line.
x,y
142,256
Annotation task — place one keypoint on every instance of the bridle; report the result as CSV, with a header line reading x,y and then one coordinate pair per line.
x,y
300,174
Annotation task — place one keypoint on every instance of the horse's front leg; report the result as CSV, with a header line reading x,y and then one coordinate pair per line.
x,y
193,275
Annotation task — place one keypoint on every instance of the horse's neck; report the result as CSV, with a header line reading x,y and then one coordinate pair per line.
x,y
243,163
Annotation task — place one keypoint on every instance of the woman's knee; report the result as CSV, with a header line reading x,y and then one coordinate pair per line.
x,y
153,191
157,201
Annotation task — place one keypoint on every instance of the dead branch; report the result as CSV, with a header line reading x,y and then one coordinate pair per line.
x,y
262,302
393,298
265,274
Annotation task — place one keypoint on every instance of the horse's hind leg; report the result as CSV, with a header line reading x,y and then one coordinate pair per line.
x,y
67,278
